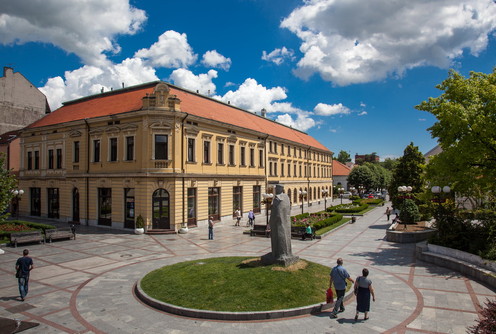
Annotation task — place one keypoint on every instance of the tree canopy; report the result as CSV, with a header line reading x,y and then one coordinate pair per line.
x,y
370,175
343,157
465,129
7,183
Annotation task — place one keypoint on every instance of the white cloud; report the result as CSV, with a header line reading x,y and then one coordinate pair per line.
x,y
357,41
85,28
278,56
362,113
422,119
363,105
323,109
89,80
302,121
253,97
201,82
171,50
216,60
333,130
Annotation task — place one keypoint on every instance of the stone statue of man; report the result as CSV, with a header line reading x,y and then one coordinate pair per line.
x,y
280,230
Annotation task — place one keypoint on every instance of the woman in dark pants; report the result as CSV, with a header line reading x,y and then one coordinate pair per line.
x,y
363,291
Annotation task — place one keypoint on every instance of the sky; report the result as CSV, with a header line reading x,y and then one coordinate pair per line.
x,y
347,72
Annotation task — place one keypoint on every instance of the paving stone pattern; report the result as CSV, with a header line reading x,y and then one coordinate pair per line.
x,y
86,285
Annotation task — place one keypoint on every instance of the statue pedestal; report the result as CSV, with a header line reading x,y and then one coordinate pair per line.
x,y
284,260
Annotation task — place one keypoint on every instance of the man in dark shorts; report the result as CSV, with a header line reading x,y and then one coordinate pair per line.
x,y
24,265
338,277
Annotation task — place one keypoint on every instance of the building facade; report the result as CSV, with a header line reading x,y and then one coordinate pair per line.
x,y
21,103
170,155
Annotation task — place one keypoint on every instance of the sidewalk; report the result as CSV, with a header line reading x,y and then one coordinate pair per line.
x,y
86,285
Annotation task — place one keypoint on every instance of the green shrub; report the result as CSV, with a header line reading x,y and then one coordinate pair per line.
x,y
140,222
349,208
409,213
487,323
20,226
327,222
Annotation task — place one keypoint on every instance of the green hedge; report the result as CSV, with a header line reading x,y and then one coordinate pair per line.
x,y
344,208
327,222
29,227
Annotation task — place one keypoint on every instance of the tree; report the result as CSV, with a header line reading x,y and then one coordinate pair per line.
x,y
343,157
361,176
7,183
466,119
408,172
389,163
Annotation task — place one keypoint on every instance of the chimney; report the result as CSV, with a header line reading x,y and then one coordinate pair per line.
x,y
263,112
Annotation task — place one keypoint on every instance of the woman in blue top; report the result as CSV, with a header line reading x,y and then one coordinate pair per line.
x,y
363,291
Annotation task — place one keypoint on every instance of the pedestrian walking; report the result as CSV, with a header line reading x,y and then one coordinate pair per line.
x,y
388,212
338,277
363,291
251,218
23,266
210,228
237,217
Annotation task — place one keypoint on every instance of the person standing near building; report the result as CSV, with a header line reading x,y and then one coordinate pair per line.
x,y
23,266
388,213
210,228
251,218
237,217
338,277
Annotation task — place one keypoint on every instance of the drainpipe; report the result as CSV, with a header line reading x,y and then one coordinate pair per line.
x,y
87,172
182,166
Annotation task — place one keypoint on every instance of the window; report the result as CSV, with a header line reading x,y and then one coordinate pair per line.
x,y
300,171
220,153
59,158
214,202
130,148
206,152
129,212
238,199
50,159
30,160
75,157
96,150
294,170
191,206
191,150
36,159
261,158
231,155
105,206
275,147
289,169
282,169
270,146
161,144
270,168
113,149
275,168
252,157
243,156
256,199
35,201
53,202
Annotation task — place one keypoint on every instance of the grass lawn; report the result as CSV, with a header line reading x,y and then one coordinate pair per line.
x,y
237,284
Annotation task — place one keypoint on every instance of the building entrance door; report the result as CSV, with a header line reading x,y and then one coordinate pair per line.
x,y
161,216
75,205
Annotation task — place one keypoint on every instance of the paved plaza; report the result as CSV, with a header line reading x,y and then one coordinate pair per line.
x,y
86,285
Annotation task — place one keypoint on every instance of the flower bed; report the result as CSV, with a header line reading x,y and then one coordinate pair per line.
x,y
14,226
318,220
348,208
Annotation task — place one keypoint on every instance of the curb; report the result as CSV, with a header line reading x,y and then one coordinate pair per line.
x,y
233,316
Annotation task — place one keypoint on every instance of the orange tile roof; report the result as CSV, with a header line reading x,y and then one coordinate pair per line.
x,y
130,99
339,169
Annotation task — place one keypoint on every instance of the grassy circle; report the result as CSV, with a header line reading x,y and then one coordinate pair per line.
x,y
237,284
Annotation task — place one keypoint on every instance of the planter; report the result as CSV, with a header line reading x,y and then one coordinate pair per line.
x,y
139,230
183,230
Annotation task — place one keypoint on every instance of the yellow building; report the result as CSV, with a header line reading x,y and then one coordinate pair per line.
x,y
170,155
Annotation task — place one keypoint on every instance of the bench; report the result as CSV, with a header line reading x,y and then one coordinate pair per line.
x,y
259,230
25,237
60,233
299,232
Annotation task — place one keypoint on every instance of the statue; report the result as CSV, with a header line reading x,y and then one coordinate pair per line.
x,y
280,227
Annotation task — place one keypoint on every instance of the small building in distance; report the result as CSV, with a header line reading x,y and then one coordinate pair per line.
x,y
361,158
21,102
340,174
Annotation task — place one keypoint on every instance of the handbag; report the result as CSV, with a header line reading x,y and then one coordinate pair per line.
x,y
355,291
329,296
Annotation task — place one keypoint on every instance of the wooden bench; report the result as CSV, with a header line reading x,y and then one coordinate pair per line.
x,y
299,232
25,237
259,230
60,233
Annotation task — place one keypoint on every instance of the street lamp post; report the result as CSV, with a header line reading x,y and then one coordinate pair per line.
x,y
17,198
267,199
324,193
303,194
360,190
405,193
341,191
436,190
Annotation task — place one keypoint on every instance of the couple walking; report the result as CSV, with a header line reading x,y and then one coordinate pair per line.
x,y
362,287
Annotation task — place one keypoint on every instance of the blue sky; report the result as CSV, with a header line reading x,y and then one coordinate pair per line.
x,y
348,72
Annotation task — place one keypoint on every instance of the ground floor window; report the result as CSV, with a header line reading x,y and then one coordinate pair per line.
x,y
161,209
35,198
53,202
105,206
238,199
129,207
191,206
214,202
75,205
257,199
